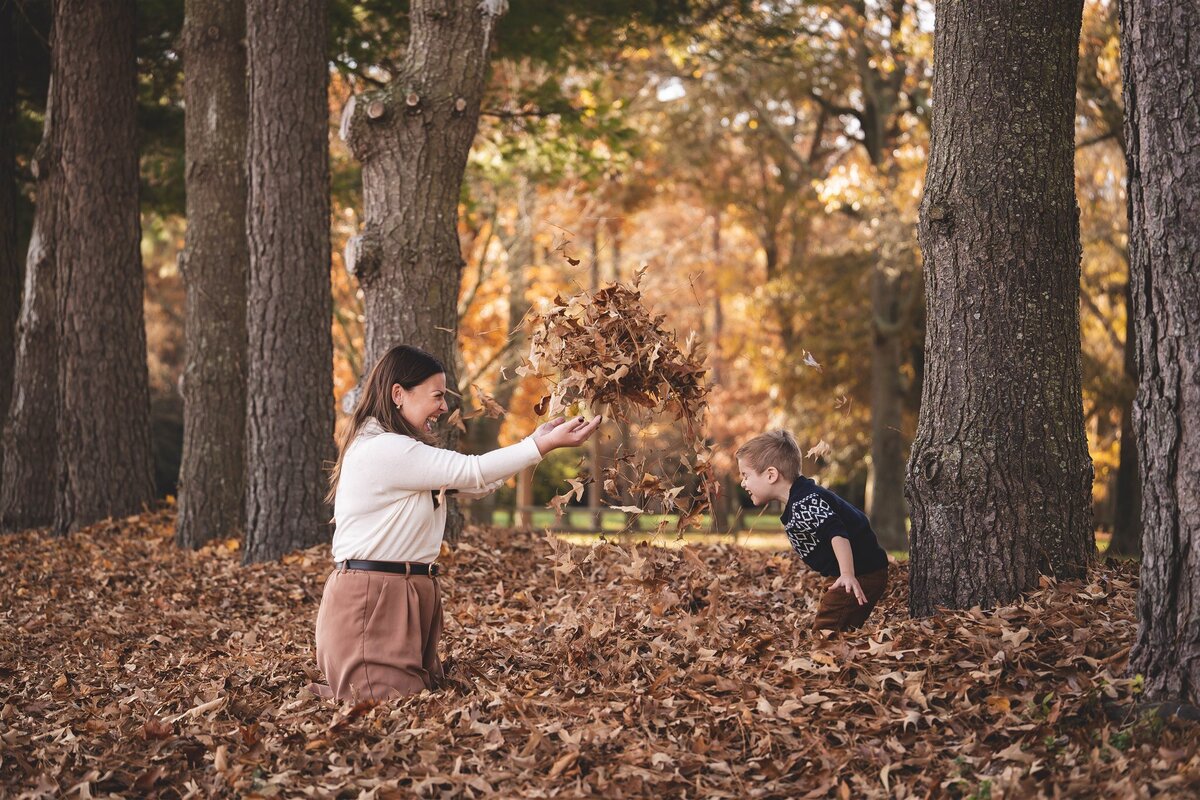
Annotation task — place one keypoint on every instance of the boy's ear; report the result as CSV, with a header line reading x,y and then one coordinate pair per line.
x,y
771,474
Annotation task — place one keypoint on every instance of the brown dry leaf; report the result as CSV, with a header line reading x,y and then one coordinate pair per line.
x,y
485,405
156,729
998,705
819,450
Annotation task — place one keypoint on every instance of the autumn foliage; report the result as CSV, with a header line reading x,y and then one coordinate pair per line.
x,y
129,667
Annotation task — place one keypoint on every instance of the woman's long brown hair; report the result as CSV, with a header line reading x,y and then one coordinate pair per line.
x,y
407,366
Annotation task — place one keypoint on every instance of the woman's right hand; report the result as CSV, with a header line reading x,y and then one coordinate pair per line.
x,y
564,433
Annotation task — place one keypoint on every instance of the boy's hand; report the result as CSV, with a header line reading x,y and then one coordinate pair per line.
x,y
850,584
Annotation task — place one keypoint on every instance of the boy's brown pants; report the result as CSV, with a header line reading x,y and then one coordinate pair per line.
x,y
839,610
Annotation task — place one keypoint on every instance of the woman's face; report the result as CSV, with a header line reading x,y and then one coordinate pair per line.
x,y
424,403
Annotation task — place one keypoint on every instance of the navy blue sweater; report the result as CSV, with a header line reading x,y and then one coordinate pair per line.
x,y
814,515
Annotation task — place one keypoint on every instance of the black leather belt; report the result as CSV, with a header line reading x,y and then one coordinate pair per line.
x,y
396,567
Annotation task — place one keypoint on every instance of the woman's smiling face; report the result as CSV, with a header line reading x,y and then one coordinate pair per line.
x,y
424,403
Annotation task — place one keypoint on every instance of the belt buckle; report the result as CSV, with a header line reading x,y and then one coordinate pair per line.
x,y
434,569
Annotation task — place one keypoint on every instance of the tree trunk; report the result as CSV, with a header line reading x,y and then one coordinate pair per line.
x,y
1160,47
10,260
722,503
999,481
30,433
412,138
1127,523
885,478
289,422
105,467
212,476
522,517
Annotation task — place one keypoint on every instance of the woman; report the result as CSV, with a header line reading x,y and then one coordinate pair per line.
x,y
381,612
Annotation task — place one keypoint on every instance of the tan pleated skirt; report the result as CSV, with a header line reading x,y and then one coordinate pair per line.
x,y
377,635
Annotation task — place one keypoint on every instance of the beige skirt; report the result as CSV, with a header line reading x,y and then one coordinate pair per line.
x,y
377,635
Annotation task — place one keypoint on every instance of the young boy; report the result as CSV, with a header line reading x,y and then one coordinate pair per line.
x,y
829,534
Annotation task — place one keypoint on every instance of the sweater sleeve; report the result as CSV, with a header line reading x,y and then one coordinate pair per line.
x,y
405,464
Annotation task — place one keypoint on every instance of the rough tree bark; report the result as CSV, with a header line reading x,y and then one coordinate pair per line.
x,y
412,138
30,433
1160,51
290,379
104,459
999,481
212,474
10,259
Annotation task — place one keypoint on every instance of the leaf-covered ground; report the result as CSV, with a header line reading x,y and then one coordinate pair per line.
x,y
130,668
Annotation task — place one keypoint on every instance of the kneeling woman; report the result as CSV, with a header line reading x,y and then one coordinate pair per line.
x,y
381,613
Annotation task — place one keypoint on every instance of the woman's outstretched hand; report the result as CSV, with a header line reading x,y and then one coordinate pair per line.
x,y
565,433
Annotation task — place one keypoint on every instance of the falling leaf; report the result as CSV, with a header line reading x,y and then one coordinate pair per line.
x,y
819,450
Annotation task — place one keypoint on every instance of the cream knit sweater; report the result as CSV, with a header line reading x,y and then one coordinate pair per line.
x,y
383,509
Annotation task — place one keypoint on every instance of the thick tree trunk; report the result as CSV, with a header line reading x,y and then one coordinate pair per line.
x,y
289,364
1160,46
885,479
30,433
412,139
1127,524
999,481
212,475
10,259
104,462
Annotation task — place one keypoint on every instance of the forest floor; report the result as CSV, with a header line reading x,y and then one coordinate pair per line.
x,y
130,668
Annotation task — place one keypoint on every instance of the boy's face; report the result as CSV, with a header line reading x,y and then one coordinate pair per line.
x,y
761,486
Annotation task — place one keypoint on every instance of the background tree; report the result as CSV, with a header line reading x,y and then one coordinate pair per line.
x,y
103,429
289,387
999,479
1161,62
1110,373
10,259
214,266
30,435
882,100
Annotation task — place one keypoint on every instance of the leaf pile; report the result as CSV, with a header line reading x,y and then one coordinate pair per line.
x,y
606,349
130,668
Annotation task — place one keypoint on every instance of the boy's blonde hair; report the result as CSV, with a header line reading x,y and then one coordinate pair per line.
x,y
776,449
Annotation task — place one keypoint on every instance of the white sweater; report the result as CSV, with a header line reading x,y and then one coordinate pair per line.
x,y
383,509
